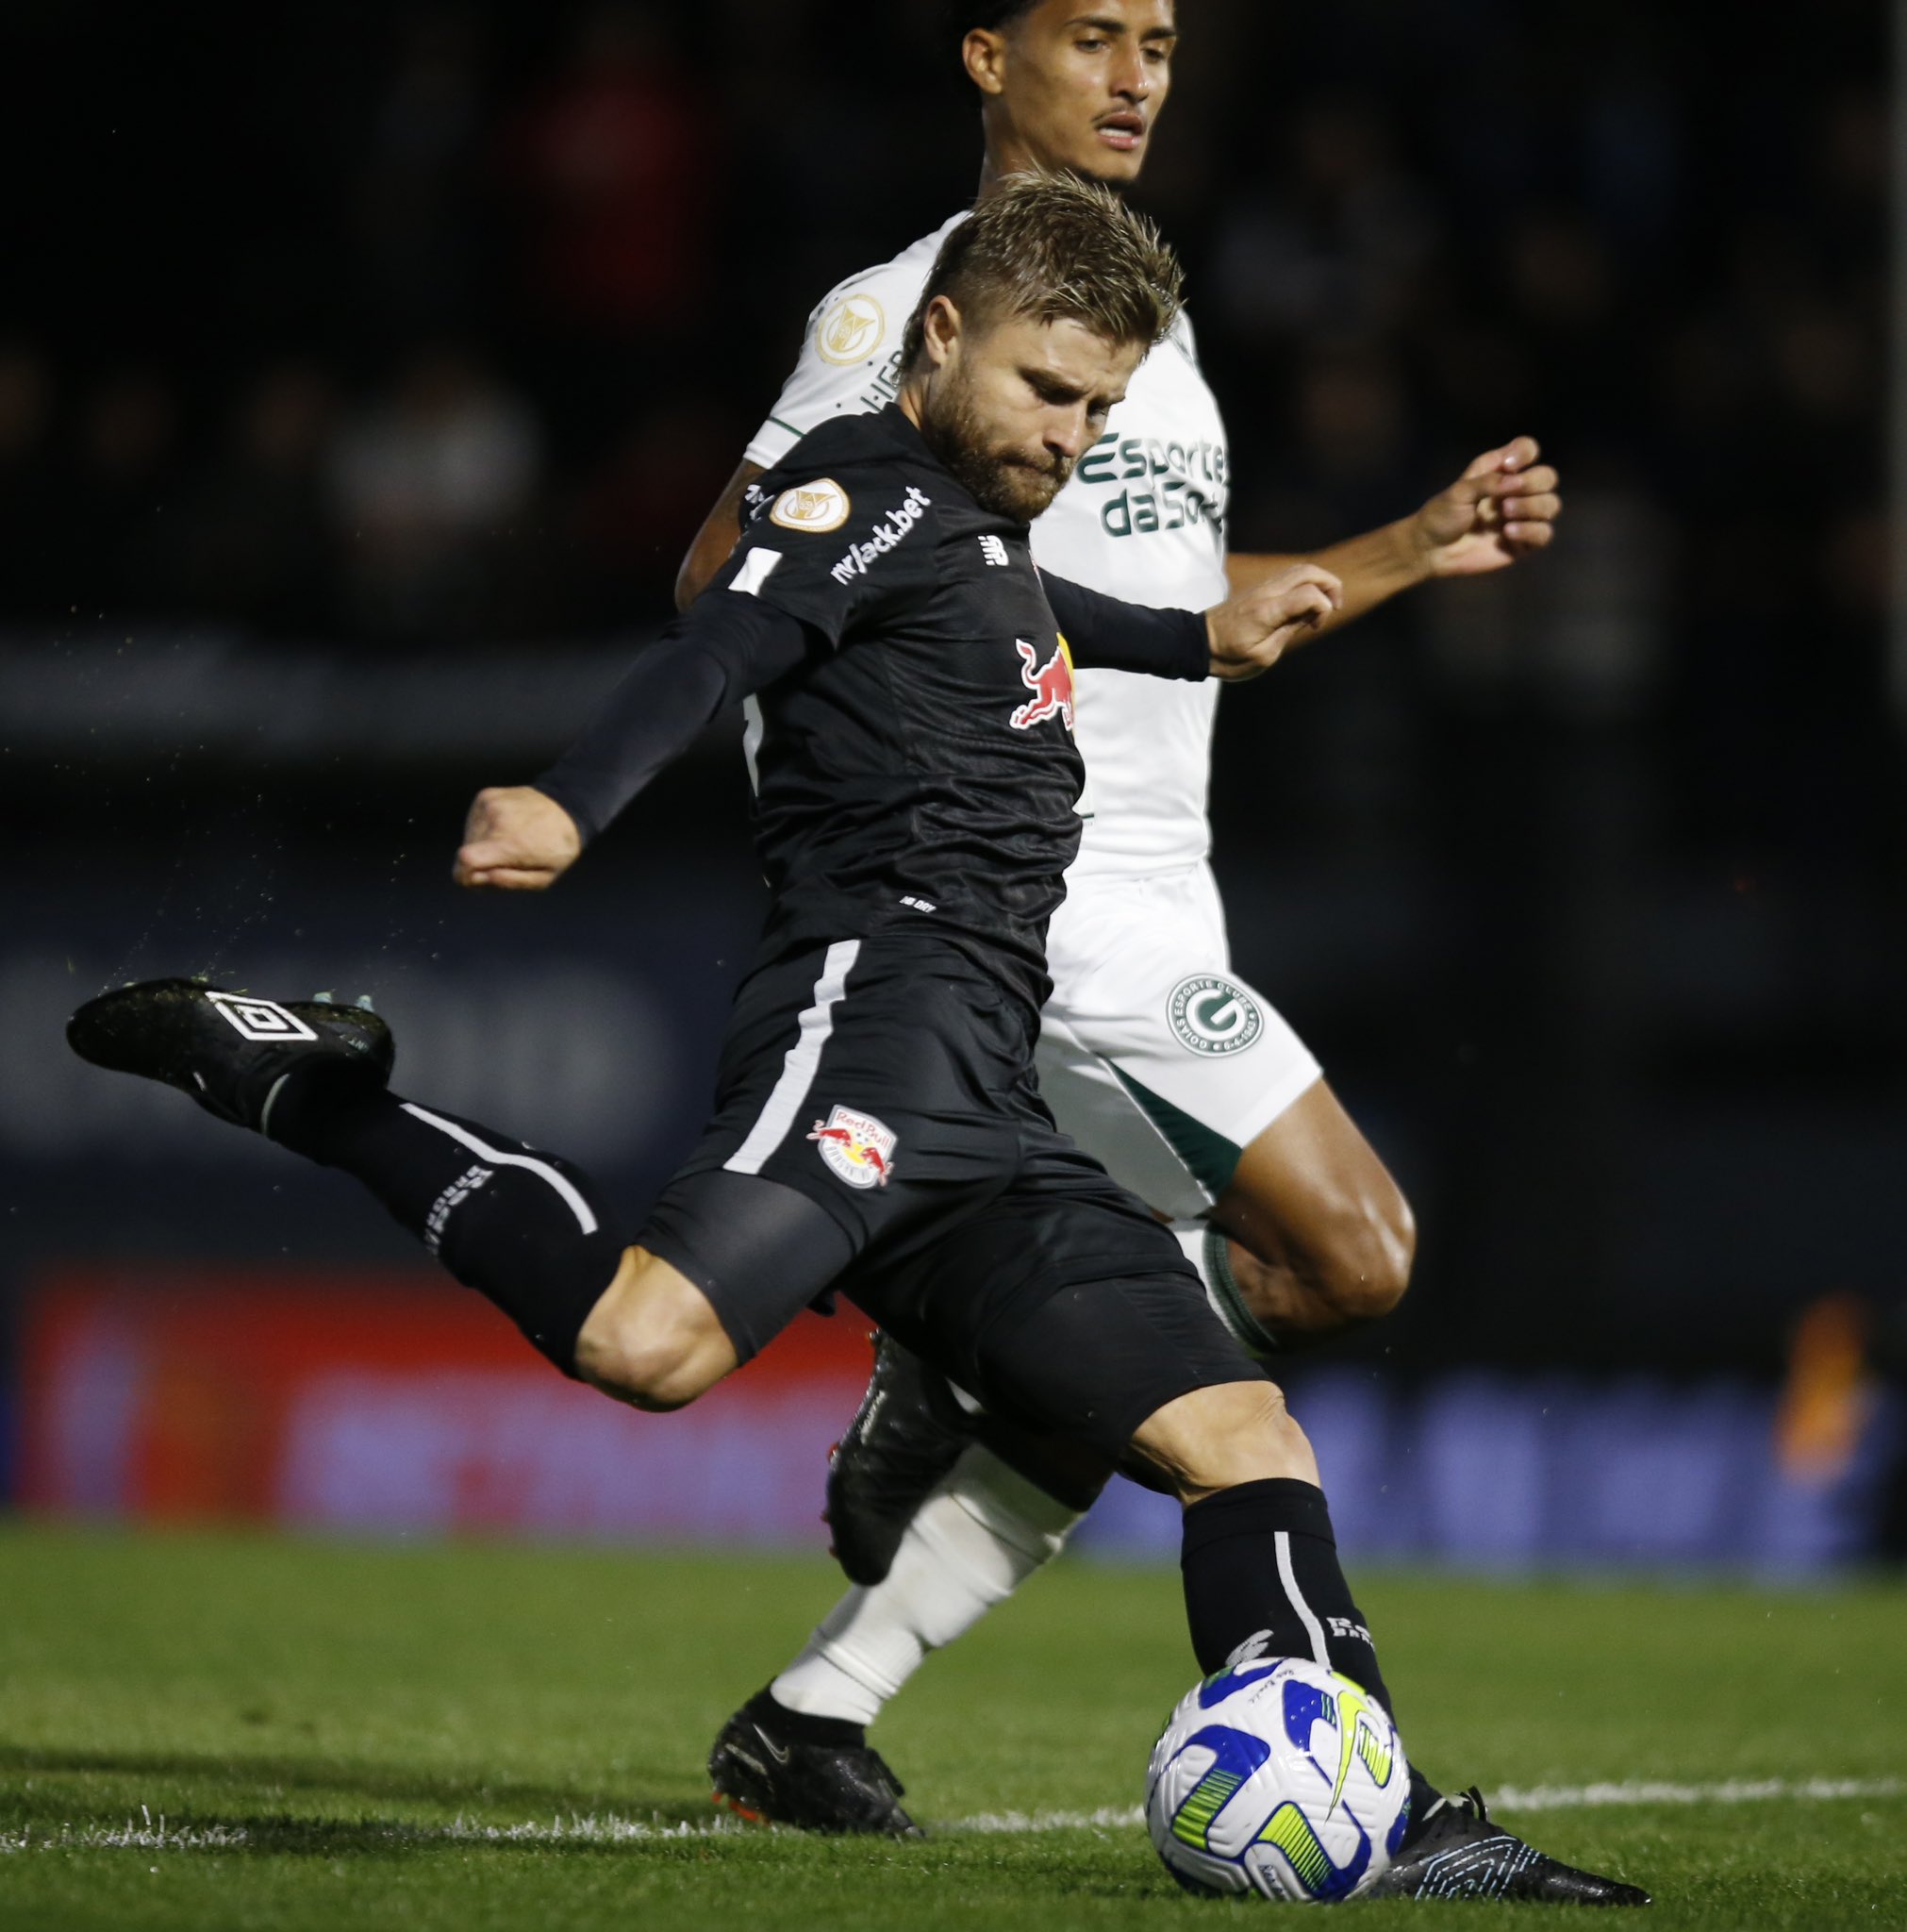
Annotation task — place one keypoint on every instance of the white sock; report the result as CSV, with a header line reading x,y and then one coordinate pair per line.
x,y
1209,1252
975,1539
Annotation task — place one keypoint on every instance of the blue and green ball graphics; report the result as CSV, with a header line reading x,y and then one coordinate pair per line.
x,y
1279,1776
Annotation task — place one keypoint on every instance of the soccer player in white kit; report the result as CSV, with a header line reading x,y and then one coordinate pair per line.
x,y
1184,1081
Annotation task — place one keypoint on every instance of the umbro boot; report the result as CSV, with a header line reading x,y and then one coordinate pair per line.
x,y
232,1052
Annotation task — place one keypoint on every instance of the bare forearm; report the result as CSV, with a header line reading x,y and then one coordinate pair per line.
x,y
1373,568
715,539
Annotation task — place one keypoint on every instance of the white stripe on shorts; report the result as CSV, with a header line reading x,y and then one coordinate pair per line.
x,y
803,1062
1295,1596
571,1199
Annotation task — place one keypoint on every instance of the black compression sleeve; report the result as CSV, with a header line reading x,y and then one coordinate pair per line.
x,y
1106,634
724,647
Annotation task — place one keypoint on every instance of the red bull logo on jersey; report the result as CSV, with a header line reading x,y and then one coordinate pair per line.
x,y
1050,684
857,1147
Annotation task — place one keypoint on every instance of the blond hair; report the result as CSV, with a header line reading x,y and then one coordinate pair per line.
x,y
1055,247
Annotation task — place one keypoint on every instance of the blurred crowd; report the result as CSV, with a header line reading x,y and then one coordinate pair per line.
x,y
440,327
402,374
442,324
434,328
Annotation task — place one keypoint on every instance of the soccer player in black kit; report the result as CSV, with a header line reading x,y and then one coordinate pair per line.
x,y
877,1128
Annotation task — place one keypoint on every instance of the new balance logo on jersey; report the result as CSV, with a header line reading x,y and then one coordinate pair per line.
x,y
887,534
994,550
1050,684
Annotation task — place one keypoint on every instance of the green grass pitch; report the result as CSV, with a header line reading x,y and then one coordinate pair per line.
x,y
328,1731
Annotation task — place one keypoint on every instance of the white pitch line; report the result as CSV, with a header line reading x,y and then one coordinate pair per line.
x,y
1813,1790
1514,1798
156,1835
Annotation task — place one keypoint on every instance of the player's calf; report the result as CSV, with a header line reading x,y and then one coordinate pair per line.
x,y
526,1229
1259,1557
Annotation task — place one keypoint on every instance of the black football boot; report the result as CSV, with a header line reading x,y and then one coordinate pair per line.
x,y
232,1052
772,1766
909,1432
1456,1850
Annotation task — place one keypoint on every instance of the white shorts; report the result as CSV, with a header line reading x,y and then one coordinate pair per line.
x,y
1153,1056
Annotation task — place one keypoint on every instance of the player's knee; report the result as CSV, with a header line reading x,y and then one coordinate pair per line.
x,y
1215,1438
654,1373
654,1344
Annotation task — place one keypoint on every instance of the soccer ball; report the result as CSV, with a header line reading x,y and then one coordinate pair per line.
x,y
1279,1776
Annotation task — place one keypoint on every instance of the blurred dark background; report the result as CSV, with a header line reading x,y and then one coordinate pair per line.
x,y
364,374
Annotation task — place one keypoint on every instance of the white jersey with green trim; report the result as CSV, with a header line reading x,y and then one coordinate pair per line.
x,y
1143,519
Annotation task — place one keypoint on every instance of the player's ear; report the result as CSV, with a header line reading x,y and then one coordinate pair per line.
x,y
984,54
941,331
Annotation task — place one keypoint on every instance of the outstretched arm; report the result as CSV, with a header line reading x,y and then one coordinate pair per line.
x,y
523,838
1107,633
1504,507
1235,640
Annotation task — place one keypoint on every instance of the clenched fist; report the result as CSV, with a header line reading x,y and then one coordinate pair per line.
x,y
1250,632
516,838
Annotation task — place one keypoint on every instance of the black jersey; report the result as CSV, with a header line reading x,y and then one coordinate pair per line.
x,y
909,699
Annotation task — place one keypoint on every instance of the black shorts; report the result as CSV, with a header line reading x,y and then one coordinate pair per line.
x,y
878,1130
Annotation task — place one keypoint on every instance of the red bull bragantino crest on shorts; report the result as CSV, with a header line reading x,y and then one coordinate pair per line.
x,y
857,1147
1050,684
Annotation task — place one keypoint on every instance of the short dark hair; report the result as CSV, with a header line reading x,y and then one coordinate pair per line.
x,y
963,16
1055,247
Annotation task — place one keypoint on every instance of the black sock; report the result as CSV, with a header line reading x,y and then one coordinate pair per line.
x,y
1423,1794
1260,1566
839,1733
529,1230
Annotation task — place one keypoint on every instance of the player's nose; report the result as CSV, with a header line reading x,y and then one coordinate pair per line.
x,y
1066,435
1132,78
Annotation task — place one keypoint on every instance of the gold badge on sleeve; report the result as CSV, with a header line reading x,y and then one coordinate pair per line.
x,y
818,507
851,330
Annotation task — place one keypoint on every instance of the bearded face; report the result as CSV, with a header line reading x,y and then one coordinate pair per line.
x,y
991,465
1010,406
